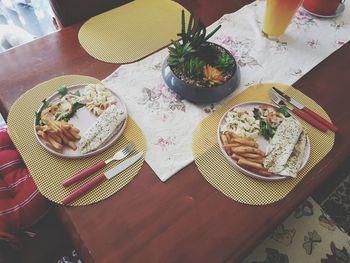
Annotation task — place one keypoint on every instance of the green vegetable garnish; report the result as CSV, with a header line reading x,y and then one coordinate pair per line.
x,y
256,114
45,105
77,93
284,111
63,90
75,106
266,130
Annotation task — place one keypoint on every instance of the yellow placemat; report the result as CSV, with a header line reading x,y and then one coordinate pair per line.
x,y
132,31
49,171
234,184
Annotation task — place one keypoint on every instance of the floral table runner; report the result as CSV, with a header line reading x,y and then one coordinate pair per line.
x,y
168,122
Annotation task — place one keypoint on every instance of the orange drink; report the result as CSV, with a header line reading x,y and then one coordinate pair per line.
x,y
278,15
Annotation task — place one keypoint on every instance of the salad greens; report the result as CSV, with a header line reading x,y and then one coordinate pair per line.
x,y
63,90
75,106
284,111
45,105
266,130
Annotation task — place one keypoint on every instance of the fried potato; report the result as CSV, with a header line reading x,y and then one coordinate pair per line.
x,y
39,127
262,172
245,162
55,144
224,139
72,145
229,134
75,134
246,141
251,155
76,130
55,136
68,134
248,149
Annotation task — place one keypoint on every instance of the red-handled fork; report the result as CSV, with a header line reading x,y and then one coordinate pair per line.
x,y
89,171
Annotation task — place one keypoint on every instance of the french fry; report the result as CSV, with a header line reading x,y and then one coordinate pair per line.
x,y
251,155
229,134
235,156
224,139
258,160
234,145
55,144
248,149
68,134
245,162
39,127
228,150
246,141
75,129
41,133
72,145
47,143
263,172
65,125
75,134
55,136
64,138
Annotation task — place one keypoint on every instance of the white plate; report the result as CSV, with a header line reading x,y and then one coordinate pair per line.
x,y
82,120
263,143
339,10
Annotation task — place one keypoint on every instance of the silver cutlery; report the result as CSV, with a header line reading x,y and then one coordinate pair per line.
x,y
101,178
279,102
98,166
305,109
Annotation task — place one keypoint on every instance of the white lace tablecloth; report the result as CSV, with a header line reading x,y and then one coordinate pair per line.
x,y
168,122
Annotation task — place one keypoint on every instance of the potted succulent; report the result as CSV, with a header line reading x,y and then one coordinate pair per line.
x,y
198,70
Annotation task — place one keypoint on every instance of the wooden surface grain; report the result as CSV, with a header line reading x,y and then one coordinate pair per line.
x,y
184,219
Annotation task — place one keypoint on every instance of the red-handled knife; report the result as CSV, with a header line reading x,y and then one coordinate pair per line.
x,y
101,178
301,107
91,170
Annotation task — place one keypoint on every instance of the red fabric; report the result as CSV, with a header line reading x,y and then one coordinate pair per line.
x,y
21,204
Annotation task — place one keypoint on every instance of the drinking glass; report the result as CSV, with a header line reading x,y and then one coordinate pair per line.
x,y
278,14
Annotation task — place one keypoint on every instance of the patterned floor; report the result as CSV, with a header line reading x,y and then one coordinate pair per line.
x,y
312,233
338,205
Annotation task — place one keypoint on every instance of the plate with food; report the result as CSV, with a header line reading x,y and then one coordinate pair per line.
x,y
263,141
80,121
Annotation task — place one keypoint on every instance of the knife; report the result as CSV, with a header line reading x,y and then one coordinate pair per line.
x,y
300,106
101,178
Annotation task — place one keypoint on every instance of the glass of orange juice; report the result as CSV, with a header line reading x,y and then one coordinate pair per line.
x,y
278,14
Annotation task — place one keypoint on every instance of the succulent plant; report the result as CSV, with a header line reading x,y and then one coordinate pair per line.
x,y
224,61
178,52
213,75
196,33
193,67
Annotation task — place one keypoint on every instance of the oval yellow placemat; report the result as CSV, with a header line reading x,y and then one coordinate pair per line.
x,y
234,184
132,31
49,171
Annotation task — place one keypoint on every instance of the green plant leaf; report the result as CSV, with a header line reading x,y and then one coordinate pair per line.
x,y
212,33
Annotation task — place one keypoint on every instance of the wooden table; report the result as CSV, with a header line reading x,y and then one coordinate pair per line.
x,y
184,219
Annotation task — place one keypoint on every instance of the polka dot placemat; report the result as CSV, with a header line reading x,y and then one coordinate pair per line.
x,y
49,171
132,31
236,185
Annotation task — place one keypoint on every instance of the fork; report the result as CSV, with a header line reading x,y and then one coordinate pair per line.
x,y
92,169
280,103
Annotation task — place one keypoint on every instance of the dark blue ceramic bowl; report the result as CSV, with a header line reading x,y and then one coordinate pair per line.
x,y
200,94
